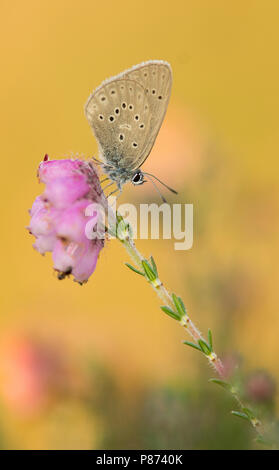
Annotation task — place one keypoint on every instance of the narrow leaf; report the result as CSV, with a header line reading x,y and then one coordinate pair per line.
x,y
148,271
170,312
240,415
249,413
210,339
154,265
193,345
204,346
134,269
119,217
177,305
222,383
261,440
182,305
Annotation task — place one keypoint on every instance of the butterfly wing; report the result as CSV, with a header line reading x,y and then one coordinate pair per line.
x,y
118,112
156,78
126,113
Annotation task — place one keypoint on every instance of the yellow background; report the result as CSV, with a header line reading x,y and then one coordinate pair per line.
x,y
218,146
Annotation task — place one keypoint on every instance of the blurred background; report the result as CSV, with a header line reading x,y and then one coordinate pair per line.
x,y
100,366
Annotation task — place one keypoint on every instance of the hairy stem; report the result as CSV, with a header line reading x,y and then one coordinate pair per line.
x,y
170,301
165,296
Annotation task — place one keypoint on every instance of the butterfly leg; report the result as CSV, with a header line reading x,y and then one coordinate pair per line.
x,y
104,179
108,185
113,192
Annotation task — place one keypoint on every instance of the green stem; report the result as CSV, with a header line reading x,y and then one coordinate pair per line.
x,y
125,237
165,296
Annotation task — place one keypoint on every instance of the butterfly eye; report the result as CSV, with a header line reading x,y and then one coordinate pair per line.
x,y
136,117
121,137
138,178
123,105
101,117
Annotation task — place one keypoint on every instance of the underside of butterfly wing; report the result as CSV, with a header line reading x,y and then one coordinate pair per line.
x,y
156,78
118,113
126,113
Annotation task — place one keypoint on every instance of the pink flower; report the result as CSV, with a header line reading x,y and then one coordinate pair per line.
x,y
58,219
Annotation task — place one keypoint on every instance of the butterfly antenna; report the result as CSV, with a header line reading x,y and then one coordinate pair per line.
x,y
155,186
164,184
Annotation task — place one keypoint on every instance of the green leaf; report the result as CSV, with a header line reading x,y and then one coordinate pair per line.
x,y
193,345
210,339
154,265
170,312
249,413
148,271
261,440
204,347
175,301
222,383
240,415
119,217
182,305
134,269
178,306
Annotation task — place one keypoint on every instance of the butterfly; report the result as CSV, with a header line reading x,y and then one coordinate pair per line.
x,y
125,113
